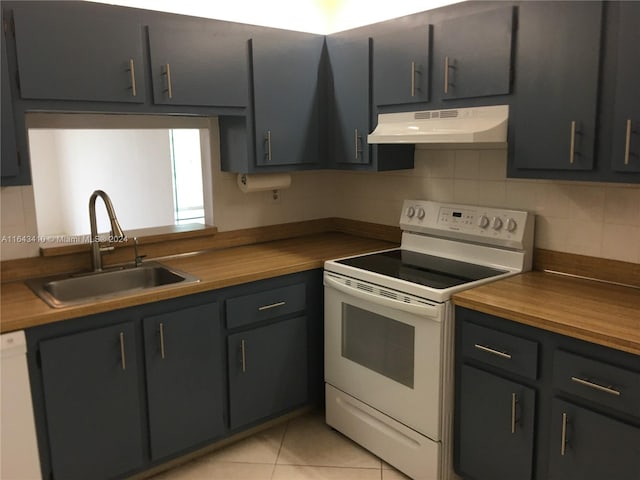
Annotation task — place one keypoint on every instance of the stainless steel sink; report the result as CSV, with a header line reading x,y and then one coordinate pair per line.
x,y
65,290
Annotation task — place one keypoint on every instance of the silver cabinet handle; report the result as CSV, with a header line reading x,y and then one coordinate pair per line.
x,y
492,351
123,359
167,72
514,403
627,143
267,139
244,358
596,386
355,139
132,74
413,79
572,150
162,340
563,447
447,66
273,305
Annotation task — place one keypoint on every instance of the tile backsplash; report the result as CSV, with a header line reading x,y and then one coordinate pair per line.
x,y
595,219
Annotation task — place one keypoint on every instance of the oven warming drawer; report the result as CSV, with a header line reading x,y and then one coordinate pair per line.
x,y
416,455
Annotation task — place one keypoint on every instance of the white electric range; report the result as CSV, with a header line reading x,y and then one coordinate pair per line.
x,y
389,328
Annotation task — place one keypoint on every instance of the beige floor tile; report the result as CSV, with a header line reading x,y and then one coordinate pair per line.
x,y
262,447
310,441
205,470
300,472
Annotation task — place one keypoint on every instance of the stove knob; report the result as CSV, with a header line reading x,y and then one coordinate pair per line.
x,y
511,225
483,221
411,212
421,213
497,223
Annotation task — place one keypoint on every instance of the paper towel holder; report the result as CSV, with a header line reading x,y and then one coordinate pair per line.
x,y
264,182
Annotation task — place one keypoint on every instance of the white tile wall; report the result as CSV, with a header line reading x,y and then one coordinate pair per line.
x,y
595,219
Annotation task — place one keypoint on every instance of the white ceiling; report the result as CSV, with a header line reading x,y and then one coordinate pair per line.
x,y
315,16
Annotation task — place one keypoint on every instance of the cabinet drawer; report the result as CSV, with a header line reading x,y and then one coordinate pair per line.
x,y
599,382
261,306
502,350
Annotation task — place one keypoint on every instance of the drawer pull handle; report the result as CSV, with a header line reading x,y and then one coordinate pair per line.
x,y
627,143
122,355
514,404
132,74
492,351
244,358
563,447
167,72
596,386
273,305
162,340
267,140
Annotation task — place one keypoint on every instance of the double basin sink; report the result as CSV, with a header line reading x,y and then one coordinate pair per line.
x,y
66,290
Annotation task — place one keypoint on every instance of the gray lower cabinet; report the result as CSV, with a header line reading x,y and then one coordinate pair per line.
x,y
496,426
586,445
184,378
577,418
123,391
267,370
92,396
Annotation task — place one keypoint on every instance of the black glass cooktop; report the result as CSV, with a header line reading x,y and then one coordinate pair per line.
x,y
428,270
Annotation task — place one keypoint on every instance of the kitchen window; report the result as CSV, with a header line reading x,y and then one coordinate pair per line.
x,y
156,169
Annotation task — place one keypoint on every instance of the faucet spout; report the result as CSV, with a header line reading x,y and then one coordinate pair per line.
x,y
116,229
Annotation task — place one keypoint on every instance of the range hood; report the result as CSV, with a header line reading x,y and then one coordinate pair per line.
x,y
457,125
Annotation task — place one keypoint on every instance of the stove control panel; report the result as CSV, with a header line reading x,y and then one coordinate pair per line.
x,y
496,226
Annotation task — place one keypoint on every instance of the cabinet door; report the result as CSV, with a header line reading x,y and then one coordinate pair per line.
x,y
350,121
557,64
401,66
495,427
285,95
585,445
198,66
9,157
473,54
66,52
267,370
184,378
92,401
625,154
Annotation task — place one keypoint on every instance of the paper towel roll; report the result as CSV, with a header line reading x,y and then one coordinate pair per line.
x,y
263,182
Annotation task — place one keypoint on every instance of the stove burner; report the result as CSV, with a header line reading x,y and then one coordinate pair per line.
x,y
427,270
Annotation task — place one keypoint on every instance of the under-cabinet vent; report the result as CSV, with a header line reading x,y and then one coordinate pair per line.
x,y
435,114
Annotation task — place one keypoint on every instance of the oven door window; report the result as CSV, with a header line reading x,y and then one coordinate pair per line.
x,y
379,343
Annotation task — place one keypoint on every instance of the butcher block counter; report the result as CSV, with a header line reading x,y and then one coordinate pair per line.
x,y
21,308
595,311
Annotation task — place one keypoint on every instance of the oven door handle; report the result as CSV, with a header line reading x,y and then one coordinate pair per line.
x,y
423,310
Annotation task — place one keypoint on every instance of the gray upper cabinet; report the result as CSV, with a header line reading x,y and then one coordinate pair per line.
x,y
554,111
68,52
472,55
198,66
285,98
9,159
401,63
350,117
625,150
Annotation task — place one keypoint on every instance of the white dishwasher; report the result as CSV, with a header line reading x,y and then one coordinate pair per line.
x,y
19,447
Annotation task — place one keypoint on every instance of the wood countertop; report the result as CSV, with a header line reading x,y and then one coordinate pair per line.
x,y
598,312
20,308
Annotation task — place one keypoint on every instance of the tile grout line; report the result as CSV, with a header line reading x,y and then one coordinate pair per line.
x,y
284,434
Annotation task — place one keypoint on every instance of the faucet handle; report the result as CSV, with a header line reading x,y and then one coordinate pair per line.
x,y
138,258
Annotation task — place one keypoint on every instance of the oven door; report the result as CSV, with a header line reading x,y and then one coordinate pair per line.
x,y
385,349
